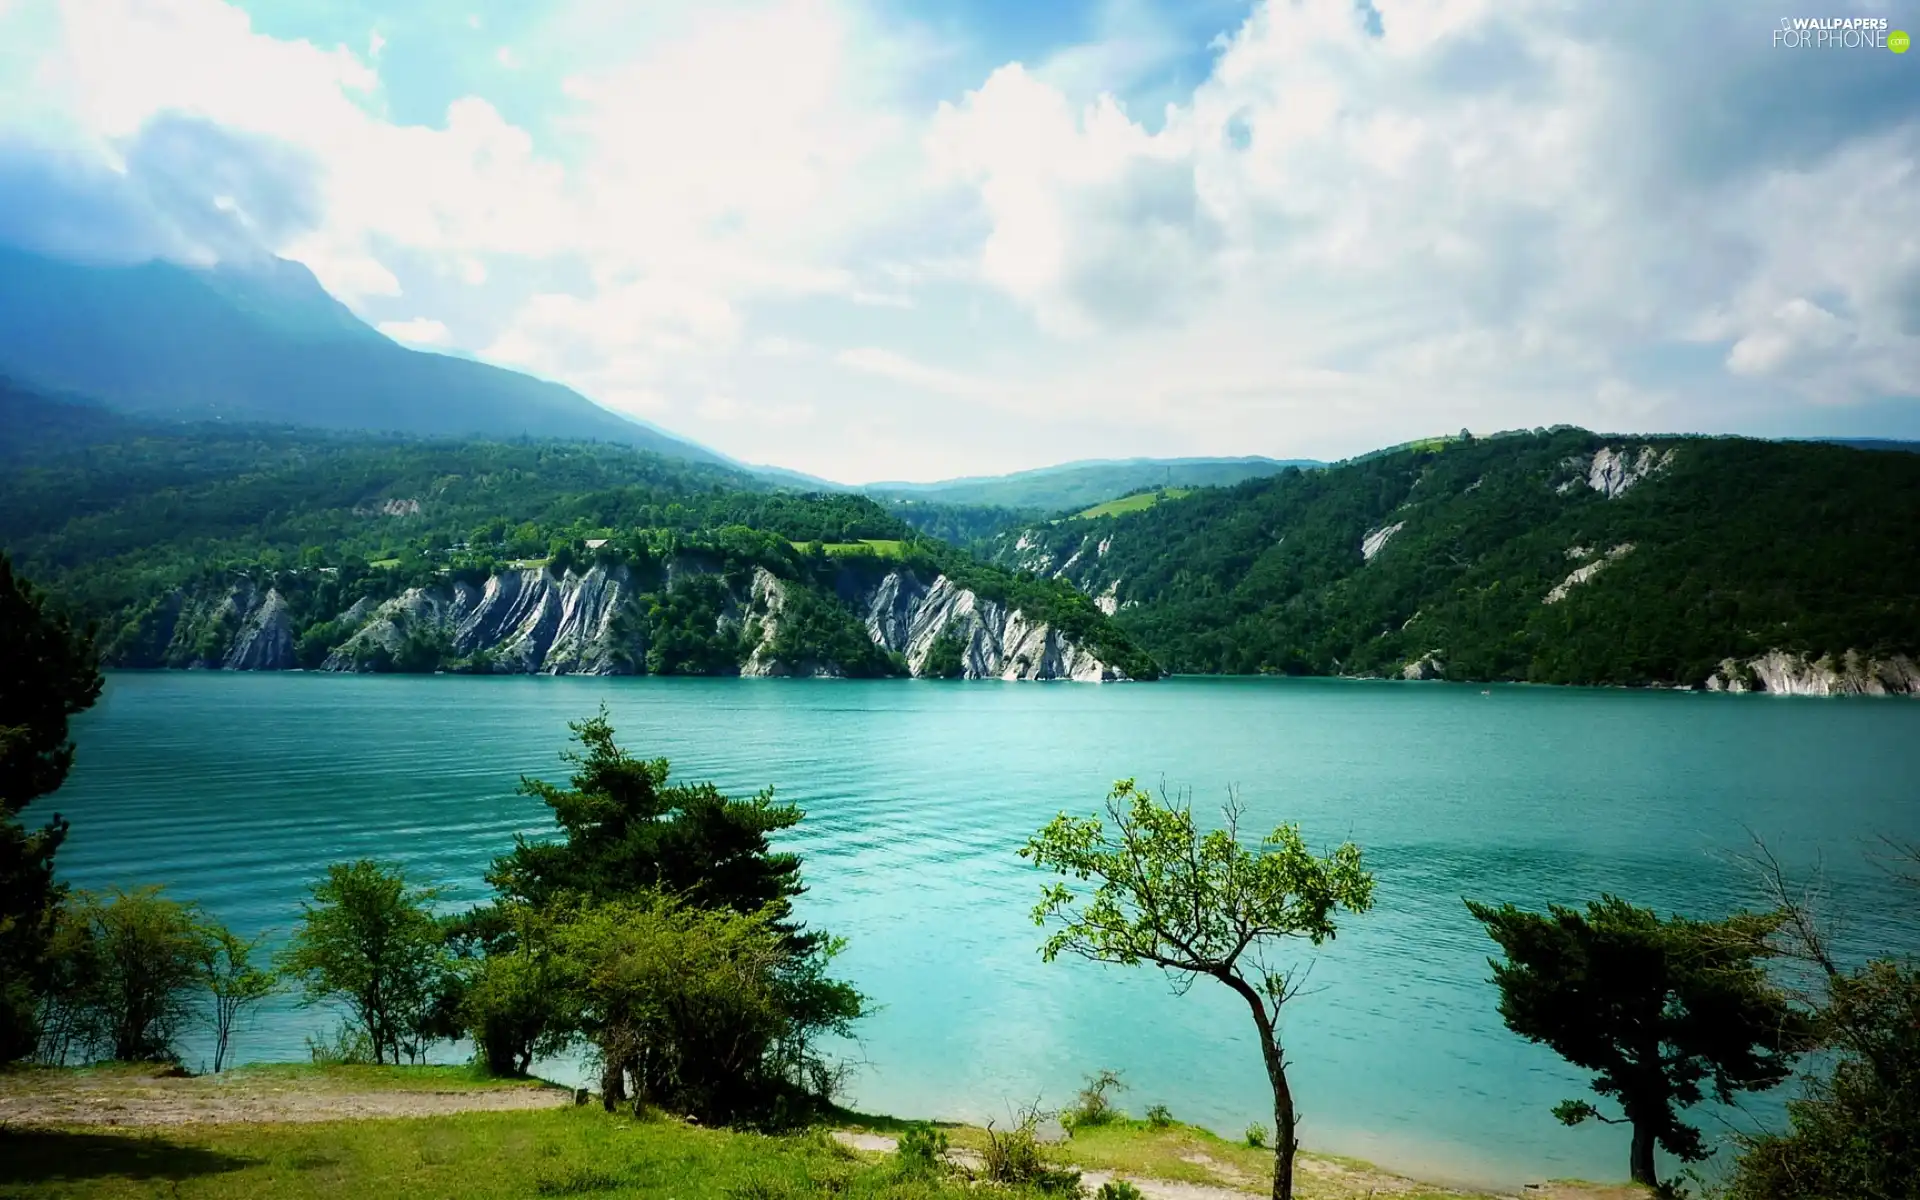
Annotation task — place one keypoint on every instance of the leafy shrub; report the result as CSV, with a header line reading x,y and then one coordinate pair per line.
x,y
1117,1189
1094,1106
350,1047
1256,1136
1159,1116
922,1150
1854,1131
134,959
1014,1158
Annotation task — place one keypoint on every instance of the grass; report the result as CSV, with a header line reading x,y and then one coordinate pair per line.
x,y
462,1078
473,1156
584,1151
884,547
385,564
1187,1154
1135,503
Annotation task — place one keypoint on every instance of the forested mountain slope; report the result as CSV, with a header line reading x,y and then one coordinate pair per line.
x,y
265,342
270,547
1076,485
1559,557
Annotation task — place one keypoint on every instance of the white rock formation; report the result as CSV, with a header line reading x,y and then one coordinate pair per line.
x,y
1427,666
265,639
1613,473
528,621
907,615
1377,539
1582,574
1787,674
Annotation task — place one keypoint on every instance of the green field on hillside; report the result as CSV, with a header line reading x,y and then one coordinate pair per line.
x,y
884,547
1137,502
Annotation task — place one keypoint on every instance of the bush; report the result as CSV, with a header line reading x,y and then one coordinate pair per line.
x,y
1014,1158
1854,1131
1094,1106
369,942
350,1047
1256,1136
922,1150
1159,1116
1117,1189
695,1006
143,954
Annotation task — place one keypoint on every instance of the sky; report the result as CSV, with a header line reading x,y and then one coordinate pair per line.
x,y
914,240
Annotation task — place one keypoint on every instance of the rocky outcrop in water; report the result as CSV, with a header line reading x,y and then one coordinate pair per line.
x,y
1787,674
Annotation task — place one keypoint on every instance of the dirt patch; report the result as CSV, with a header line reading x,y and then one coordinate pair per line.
x,y
872,1143
126,1098
1163,1189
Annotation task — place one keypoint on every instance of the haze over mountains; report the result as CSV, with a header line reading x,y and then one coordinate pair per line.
x,y
266,343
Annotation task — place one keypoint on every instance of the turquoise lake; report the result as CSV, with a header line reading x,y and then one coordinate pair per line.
x,y
236,790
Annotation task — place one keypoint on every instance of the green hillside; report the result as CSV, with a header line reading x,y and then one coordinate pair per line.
x,y
1497,558
1137,502
1072,487
149,528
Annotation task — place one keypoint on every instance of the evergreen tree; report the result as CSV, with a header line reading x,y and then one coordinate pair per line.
x,y
1662,1012
48,673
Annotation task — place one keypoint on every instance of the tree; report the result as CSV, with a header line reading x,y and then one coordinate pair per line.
x,y
685,1002
630,838
1854,1129
147,952
1662,1012
49,672
369,942
227,969
511,1004
627,831
1199,905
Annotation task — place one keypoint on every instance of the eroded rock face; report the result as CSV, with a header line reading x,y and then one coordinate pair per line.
x,y
1427,666
1376,539
527,621
907,615
766,604
1613,473
1581,574
1786,674
589,623
265,639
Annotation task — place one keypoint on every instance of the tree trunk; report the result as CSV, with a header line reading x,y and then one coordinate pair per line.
x,y
1643,1171
1286,1142
613,1085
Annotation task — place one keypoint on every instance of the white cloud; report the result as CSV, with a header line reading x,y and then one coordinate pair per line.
x,y
902,369
731,214
421,331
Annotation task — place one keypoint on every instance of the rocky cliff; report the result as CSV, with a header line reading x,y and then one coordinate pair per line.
x,y
604,620
907,615
1785,674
